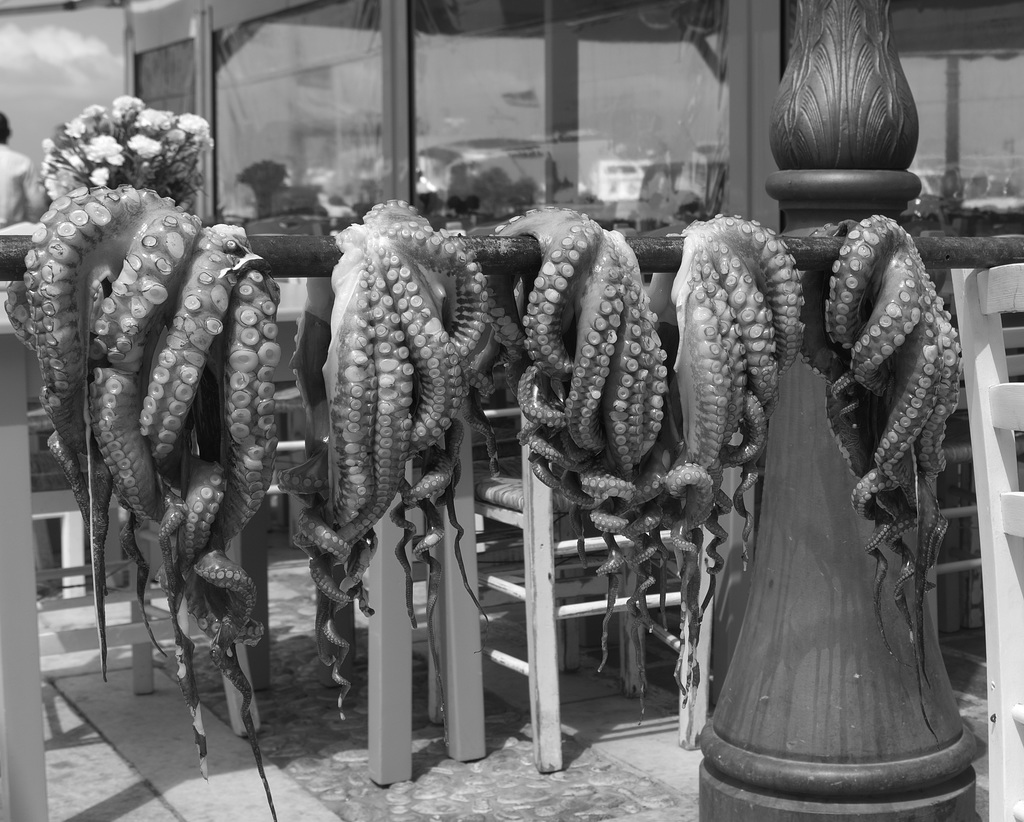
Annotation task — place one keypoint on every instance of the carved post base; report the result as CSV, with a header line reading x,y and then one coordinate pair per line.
x,y
725,798
821,716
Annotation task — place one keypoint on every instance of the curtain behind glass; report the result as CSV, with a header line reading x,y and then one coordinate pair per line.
x,y
616,108
298,118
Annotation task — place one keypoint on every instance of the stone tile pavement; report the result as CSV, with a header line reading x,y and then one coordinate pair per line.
x,y
115,756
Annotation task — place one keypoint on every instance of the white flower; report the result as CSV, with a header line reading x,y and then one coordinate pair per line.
x,y
48,145
100,176
104,149
53,188
93,111
194,124
75,128
175,135
125,105
145,147
156,119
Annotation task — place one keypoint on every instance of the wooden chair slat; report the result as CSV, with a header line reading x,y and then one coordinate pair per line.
x,y
1013,515
1001,289
1007,403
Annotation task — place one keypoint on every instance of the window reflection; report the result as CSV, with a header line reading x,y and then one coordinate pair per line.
x,y
964,65
615,108
298,108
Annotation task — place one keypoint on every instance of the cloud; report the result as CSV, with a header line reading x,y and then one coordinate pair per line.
x,y
55,60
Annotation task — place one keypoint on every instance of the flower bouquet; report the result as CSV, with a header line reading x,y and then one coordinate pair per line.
x,y
129,144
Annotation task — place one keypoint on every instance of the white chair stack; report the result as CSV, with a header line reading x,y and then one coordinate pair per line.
x,y
996,410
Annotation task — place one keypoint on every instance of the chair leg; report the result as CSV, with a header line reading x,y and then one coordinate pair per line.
x,y
142,656
389,657
538,552
234,699
72,552
463,673
629,653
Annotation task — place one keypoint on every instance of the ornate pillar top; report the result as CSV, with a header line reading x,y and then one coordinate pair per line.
x,y
844,101
844,107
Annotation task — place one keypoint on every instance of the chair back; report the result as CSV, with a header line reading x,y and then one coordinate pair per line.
x,y
996,411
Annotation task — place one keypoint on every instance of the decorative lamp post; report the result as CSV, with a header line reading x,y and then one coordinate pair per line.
x,y
817,717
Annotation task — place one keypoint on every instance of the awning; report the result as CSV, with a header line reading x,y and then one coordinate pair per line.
x,y
39,6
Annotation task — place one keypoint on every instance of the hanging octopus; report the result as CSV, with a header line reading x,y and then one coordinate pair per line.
x,y
591,386
640,449
156,341
381,364
737,307
893,376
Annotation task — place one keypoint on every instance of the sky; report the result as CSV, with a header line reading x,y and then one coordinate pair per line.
x,y
53,65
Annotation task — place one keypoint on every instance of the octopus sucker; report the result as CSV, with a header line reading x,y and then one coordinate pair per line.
x,y
888,410
137,413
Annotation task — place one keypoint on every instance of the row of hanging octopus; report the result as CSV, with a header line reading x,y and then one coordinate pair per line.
x,y
156,341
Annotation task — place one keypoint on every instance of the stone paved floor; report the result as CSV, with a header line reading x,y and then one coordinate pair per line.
x,y
303,736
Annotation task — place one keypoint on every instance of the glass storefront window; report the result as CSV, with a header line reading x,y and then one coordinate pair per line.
x,y
165,77
616,108
298,118
965,63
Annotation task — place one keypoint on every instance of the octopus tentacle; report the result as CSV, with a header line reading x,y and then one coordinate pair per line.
x,y
250,339
332,647
173,582
19,310
202,304
636,374
114,409
315,529
107,271
889,410
597,341
537,400
220,595
351,389
703,371
436,362
505,314
202,501
147,287
568,244
393,424
765,255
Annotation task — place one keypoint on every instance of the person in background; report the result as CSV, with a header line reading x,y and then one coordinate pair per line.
x,y
22,198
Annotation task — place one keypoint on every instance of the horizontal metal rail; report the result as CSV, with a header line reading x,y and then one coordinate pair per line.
x,y
295,255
